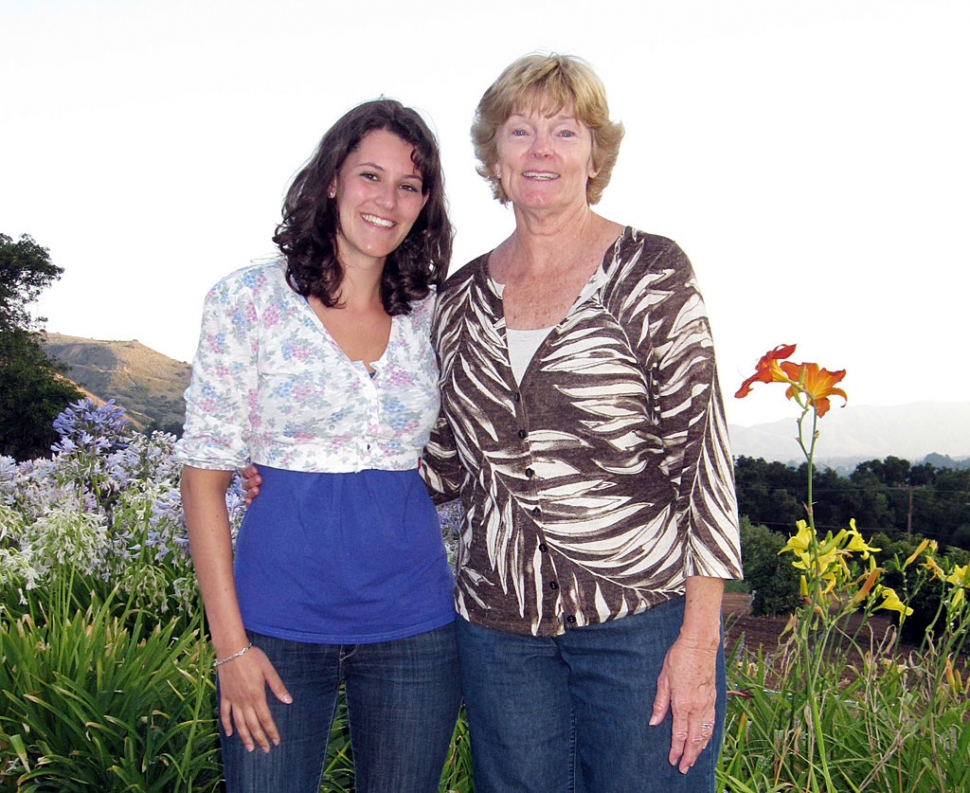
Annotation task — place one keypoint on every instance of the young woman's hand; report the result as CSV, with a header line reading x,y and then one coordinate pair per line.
x,y
242,699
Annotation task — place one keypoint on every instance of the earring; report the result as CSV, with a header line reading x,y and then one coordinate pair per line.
x,y
332,194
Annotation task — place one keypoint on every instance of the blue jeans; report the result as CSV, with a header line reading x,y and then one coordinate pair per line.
x,y
402,701
571,712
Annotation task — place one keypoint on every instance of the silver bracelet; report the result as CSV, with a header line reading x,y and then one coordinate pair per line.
x,y
232,657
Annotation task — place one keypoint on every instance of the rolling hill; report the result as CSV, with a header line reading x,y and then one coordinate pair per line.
x,y
147,384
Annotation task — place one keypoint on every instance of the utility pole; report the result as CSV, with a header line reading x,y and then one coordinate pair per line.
x,y
909,517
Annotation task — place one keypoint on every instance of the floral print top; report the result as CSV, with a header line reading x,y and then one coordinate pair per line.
x,y
269,385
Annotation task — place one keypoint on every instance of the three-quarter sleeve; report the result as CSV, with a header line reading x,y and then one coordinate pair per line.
x,y
222,392
691,413
441,469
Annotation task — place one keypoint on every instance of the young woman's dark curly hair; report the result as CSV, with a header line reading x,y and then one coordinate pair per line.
x,y
308,234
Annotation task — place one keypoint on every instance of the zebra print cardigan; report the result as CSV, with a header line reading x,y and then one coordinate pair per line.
x,y
596,486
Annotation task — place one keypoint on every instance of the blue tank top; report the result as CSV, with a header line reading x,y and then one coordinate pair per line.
x,y
348,558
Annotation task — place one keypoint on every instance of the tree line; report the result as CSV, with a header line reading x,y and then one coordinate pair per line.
x,y
892,497
33,390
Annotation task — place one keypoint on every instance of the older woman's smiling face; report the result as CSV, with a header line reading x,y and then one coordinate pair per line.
x,y
544,161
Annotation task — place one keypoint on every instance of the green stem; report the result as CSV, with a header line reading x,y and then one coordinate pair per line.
x,y
810,667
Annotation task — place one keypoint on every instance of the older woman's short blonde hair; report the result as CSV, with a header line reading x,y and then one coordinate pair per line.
x,y
548,83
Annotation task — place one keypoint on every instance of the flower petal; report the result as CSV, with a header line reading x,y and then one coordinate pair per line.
x,y
767,369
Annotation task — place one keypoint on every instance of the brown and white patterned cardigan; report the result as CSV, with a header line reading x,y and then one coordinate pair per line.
x,y
596,486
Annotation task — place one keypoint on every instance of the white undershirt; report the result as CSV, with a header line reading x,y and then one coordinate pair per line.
x,y
522,343
522,347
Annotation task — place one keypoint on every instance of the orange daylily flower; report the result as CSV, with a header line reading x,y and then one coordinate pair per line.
x,y
817,384
767,369
866,587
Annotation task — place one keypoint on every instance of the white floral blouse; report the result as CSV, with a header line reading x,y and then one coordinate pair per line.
x,y
269,385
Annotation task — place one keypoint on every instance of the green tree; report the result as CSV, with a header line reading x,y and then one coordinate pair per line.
x,y
26,270
773,580
32,390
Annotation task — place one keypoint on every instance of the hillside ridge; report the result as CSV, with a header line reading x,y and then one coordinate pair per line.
x,y
147,384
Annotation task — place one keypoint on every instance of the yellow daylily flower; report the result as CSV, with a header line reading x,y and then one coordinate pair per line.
x,y
803,562
937,571
915,554
891,602
960,576
856,543
801,541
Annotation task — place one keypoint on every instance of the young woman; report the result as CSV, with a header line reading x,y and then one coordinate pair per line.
x,y
318,367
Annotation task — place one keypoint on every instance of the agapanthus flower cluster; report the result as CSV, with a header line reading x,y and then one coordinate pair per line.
x,y
450,517
144,458
16,561
106,504
96,428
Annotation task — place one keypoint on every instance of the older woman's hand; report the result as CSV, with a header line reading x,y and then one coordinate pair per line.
x,y
251,480
687,685
688,680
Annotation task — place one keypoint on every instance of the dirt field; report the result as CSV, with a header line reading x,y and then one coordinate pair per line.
x,y
764,631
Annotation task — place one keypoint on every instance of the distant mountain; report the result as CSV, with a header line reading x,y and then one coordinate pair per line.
x,y
854,434
147,384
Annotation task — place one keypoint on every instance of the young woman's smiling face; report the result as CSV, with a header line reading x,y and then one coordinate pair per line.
x,y
379,196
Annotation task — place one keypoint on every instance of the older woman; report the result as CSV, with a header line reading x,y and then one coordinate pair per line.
x,y
583,428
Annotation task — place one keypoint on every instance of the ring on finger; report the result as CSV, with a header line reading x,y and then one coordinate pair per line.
x,y
705,727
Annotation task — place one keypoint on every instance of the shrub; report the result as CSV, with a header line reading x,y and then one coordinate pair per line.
x,y
773,581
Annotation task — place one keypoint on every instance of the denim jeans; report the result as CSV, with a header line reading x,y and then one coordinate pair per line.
x,y
571,712
402,701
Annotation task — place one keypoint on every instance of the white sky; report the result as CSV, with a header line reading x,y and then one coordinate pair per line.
x,y
812,158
